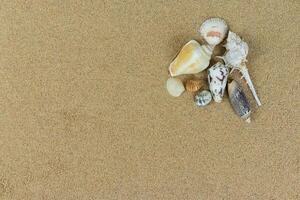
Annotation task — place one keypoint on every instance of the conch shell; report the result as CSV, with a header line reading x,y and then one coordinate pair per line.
x,y
217,79
235,58
193,58
239,101
213,30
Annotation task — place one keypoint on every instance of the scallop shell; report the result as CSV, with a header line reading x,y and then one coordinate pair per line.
x,y
239,101
217,79
175,87
193,85
203,98
193,58
213,30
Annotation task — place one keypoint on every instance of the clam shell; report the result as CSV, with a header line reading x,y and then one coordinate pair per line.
x,y
193,58
239,101
175,87
217,79
213,30
203,98
193,85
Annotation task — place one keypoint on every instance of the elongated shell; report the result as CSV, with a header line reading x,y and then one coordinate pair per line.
x,y
217,79
175,87
193,58
203,98
213,30
239,101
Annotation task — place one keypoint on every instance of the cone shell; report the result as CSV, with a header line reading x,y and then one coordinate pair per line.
x,y
193,85
239,101
193,58
217,79
214,30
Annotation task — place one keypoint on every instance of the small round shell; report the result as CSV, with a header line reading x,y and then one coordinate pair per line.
x,y
213,30
193,85
175,87
203,98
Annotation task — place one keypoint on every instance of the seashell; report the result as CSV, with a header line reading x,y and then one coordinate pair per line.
x,y
203,98
193,58
175,87
235,58
239,101
217,79
193,85
213,30
237,50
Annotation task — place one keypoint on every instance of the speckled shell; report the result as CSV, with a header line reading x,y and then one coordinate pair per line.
x,y
217,79
203,98
193,58
213,30
193,85
239,101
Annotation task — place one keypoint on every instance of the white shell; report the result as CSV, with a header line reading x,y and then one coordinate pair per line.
x,y
236,58
203,98
213,30
193,58
175,87
237,50
217,78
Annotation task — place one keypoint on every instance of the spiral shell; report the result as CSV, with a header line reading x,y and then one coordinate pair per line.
x,y
193,85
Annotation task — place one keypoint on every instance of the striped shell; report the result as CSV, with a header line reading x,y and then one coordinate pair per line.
x,y
193,85
239,101
203,98
213,30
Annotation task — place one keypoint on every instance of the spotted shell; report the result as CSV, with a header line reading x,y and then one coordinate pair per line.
x,y
193,85
203,98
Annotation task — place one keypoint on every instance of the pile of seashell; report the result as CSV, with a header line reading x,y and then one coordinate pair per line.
x,y
194,58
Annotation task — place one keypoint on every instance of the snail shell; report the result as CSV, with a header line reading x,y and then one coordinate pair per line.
x,y
203,98
175,87
239,101
193,58
217,79
214,30
193,85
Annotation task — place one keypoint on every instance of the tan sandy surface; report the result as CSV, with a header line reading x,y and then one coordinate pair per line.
x,y
84,113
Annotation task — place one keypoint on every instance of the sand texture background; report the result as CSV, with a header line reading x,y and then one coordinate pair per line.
x,y
84,113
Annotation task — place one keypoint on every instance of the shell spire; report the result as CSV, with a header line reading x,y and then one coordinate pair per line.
x,y
236,57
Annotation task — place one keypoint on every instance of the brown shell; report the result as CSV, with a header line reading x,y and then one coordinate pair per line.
x,y
193,85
